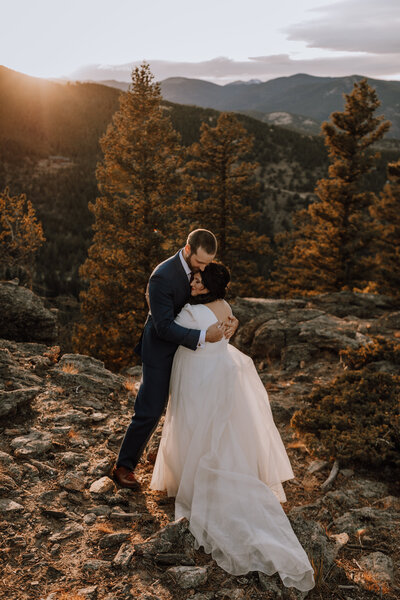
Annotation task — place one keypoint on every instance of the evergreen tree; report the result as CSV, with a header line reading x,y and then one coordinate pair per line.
x,y
386,212
328,249
21,235
138,181
223,197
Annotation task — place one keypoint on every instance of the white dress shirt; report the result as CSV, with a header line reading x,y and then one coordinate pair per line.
x,y
202,338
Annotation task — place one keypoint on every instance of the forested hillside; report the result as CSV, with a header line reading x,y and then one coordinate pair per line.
x,y
49,148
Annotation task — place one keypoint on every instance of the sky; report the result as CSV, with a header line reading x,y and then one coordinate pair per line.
x,y
217,40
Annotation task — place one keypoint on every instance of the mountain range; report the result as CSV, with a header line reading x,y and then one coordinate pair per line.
x,y
49,147
300,101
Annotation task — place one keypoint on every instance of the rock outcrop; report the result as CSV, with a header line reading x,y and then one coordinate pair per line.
x,y
68,532
23,316
297,332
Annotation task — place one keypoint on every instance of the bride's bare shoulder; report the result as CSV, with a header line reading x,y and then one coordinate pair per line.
x,y
224,309
228,307
221,309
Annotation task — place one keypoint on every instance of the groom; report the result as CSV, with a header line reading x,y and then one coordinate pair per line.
x,y
168,292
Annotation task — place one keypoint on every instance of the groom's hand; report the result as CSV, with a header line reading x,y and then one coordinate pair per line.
x,y
214,333
229,326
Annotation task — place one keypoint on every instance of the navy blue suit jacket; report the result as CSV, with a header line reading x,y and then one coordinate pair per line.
x,y
169,291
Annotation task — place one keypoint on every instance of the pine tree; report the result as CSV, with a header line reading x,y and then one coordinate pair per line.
x,y
21,235
328,249
223,197
385,264
138,181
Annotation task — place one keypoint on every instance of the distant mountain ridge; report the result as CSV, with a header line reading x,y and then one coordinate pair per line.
x,y
305,95
300,102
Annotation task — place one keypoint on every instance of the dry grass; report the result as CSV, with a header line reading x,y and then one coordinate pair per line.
x,y
318,566
298,445
103,527
53,353
58,390
70,596
73,434
70,368
130,384
373,584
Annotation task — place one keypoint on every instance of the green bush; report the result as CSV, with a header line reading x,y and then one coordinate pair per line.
x,y
354,419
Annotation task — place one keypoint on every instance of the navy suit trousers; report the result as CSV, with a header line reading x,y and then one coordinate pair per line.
x,y
149,405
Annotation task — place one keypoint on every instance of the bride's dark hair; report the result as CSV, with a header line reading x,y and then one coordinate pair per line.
x,y
215,278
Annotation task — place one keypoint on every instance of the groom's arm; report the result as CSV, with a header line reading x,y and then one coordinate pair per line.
x,y
162,313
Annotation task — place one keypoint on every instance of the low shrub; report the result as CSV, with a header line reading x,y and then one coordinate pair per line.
x,y
355,418
379,349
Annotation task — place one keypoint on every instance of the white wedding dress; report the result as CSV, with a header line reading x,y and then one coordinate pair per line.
x,y
223,459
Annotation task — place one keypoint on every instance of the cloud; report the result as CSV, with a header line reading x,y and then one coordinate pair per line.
x,y
371,26
224,70
363,35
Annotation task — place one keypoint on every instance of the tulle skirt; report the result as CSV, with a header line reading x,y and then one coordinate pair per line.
x,y
223,459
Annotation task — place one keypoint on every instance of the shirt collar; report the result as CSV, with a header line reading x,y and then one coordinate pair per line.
x,y
184,264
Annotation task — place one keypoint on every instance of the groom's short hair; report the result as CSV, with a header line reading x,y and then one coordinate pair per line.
x,y
204,239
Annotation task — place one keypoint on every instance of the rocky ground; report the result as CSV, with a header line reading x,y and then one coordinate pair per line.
x,y
68,534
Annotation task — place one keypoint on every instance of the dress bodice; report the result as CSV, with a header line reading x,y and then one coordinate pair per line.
x,y
199,316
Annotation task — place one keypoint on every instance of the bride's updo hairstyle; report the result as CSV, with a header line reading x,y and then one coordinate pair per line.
x,y
215,278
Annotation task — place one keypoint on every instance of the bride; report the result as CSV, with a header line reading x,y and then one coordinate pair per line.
x,y
221,454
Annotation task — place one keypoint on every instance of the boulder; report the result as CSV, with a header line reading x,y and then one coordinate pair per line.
x,y
316,465
23,316
188,577
87,373
12,400
71,531
9,506
102,486
173,559
175,535
357,304
88,593
379,565
319,548
124,555
73,482
15,373
366,518
113,539
295,331
35,443
231,594
331,333
389,320
96,565
270,585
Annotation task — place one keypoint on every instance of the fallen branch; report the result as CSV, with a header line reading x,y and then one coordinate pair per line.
x,y
332,476
358,547
347,587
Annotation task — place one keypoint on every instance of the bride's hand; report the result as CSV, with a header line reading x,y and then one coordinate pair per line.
x,y
229,326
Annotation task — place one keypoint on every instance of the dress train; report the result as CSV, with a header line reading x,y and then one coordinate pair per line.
x,y
223,459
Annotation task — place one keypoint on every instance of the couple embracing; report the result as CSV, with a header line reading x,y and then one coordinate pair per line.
x,y
220,455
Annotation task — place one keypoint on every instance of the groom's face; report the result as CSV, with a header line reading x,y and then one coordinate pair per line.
x,y
198,260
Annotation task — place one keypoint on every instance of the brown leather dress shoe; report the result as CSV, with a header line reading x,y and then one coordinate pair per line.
x,y
125,478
